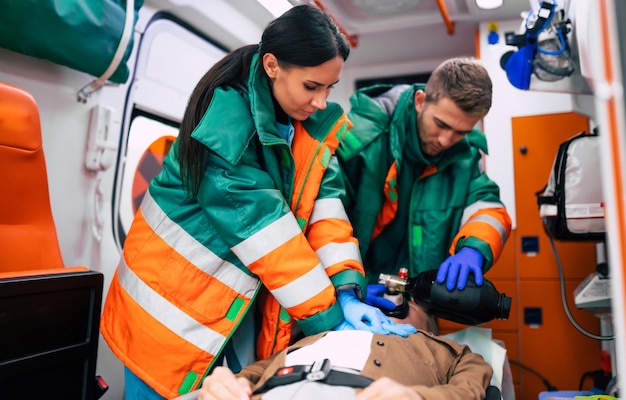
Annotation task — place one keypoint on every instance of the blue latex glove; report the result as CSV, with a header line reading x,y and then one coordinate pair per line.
x,y
456,269
374,298
360,316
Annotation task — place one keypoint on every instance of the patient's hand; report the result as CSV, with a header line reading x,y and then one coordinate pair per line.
x,y
387,389
222,384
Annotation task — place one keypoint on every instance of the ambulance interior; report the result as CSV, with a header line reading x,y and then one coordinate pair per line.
x,y
106,116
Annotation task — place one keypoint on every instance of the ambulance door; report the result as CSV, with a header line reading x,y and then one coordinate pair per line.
x,y
171,59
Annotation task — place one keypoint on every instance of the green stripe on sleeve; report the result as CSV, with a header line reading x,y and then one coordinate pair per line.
x,y
188,382
284,315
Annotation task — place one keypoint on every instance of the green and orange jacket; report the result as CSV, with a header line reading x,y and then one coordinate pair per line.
x,y
450,202
267,220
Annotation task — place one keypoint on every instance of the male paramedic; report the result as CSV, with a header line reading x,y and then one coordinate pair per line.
x,y
418,196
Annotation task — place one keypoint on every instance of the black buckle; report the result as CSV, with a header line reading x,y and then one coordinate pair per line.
x,y
296,373
319,370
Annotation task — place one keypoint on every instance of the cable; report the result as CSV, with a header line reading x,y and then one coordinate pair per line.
x,y
599,377
564,298
547,384
584,376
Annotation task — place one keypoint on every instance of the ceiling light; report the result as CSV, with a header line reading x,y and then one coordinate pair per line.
x,y
276,7
489,4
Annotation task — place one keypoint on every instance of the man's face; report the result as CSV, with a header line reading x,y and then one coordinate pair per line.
x,y
441,125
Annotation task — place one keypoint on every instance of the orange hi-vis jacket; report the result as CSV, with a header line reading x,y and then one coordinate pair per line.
x,y
267,216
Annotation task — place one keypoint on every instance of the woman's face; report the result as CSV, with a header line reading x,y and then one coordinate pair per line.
x,y
300,91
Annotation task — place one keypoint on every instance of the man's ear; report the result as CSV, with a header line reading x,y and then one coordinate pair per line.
x,y
270,64
419,100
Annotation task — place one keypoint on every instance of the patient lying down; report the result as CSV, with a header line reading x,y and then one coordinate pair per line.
x,y
359,365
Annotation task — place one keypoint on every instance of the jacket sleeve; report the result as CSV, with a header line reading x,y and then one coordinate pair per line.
x,y
485,224
251,216
468,379
331,236
364,168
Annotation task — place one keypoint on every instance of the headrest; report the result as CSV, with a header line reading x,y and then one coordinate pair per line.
x,y
19,119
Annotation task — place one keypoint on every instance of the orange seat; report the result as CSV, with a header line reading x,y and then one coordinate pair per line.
x,y
28,238
49,314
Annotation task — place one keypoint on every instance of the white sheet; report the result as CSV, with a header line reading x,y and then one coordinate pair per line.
x,y
349,349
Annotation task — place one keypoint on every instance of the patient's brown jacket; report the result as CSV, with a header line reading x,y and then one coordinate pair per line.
x,y
434,366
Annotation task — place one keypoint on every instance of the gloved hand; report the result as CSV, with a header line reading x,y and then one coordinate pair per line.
x,y
374,298
456,269
360,316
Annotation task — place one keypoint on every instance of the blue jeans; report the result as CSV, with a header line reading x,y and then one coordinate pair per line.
x,y
136,389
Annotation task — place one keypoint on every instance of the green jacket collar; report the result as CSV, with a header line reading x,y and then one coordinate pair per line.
x,y
369,118
237,114
261,105
372,120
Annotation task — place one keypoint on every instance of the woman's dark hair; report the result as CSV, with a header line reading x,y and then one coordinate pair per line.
x,y
304,36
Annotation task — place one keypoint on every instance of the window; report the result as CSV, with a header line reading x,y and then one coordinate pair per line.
x,y
394,80
149,141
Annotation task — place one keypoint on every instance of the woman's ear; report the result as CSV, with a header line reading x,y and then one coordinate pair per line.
x,y
270,64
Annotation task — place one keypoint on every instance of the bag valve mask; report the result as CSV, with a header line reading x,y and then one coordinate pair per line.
x,y
543,48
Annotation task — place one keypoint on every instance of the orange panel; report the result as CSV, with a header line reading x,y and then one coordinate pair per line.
x,y
518,391
535,142
555,348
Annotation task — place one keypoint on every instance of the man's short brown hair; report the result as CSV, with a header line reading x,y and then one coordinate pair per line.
x,y
465,81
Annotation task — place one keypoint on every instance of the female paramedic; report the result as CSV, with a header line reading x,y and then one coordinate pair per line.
x,y
246,215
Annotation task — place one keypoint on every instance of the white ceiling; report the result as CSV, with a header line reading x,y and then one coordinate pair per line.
x,y
399,14
399,32
381,35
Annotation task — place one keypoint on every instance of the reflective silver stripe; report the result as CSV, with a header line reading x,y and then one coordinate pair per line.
x,y
334,253
493,222
303,288
477,206
194,251
328,208
169,315
267,239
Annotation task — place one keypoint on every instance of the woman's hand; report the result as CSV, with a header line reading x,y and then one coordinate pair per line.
x,y
361,316
222,384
